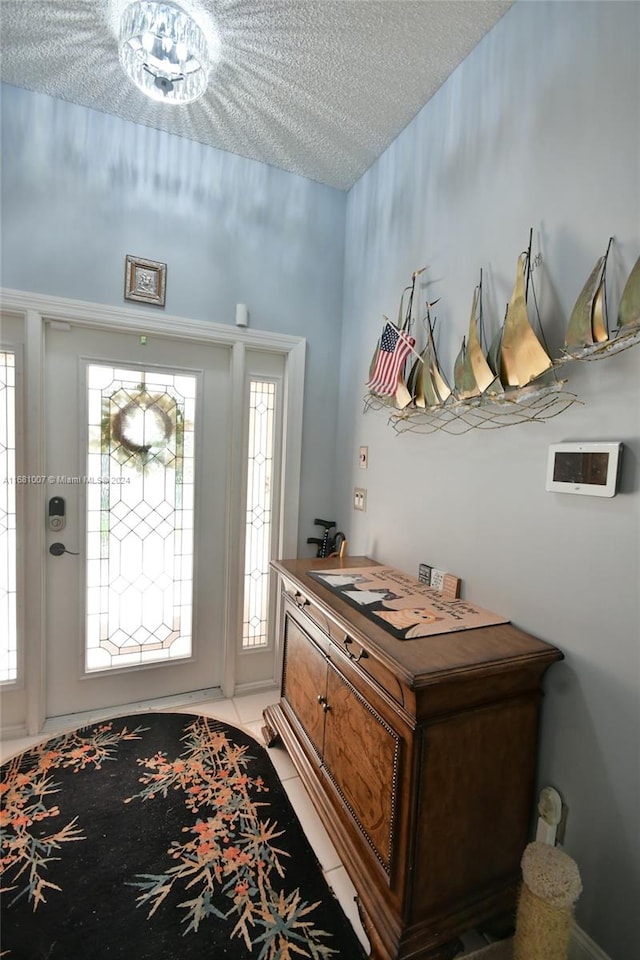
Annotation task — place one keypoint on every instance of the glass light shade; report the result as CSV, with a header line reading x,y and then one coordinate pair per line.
x,y
164,52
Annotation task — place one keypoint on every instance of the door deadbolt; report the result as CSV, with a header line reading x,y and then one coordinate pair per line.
x,y
56,518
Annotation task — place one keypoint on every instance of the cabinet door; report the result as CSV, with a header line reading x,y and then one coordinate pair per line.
x,y
361,755
304,681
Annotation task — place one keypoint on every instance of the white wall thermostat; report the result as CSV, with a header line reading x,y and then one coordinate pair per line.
x,y
591,469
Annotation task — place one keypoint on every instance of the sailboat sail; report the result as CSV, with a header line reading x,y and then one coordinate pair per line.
x,y
629,310
419,385
441,386
588,321
473,374
435,385
599,323
493,355
522,356
588,336
464,382
426,382
580,326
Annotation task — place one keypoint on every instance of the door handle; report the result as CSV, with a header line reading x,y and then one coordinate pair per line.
x,y
57,549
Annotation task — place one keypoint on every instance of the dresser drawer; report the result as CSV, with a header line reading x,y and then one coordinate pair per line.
x,y
296,611
304,605
310,615
368,664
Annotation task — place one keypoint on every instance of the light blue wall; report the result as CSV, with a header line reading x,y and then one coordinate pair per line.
x,y
539,128
81,190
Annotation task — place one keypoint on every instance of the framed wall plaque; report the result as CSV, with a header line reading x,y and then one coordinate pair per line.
x,y
145,280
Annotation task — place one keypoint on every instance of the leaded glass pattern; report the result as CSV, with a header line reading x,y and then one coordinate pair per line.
x,y
260,461
8,557
140,501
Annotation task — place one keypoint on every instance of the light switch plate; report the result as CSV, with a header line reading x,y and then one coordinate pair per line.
x,y
359,498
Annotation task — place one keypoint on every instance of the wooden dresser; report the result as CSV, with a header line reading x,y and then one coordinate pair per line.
x,y
419,755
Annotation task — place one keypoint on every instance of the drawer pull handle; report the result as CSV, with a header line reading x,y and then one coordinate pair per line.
x,y
361,656
300,599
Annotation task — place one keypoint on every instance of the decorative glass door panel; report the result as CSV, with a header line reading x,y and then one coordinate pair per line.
x,y
140,516
258,524
15,489
8,481
138,447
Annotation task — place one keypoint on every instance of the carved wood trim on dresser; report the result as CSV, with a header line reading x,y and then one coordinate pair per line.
x,y
420,758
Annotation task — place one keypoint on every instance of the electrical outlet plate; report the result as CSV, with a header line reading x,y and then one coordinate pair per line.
x,y
550,809
359,498
363,458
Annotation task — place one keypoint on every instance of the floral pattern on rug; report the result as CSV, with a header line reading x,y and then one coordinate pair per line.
x,y
158,837
27,790
233,852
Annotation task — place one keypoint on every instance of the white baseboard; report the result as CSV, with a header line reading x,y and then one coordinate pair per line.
x,y
582,947
13,732
73,720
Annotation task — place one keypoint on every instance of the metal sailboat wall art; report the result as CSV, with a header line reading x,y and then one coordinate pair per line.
x,y
489,389
588,336
515,380
511,370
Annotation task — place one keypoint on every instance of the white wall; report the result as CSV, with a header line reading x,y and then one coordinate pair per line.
x,y
539,128
80,190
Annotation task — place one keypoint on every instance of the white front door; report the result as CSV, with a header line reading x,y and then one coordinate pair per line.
x,y
138,453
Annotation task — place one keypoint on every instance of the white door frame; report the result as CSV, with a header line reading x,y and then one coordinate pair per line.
x,y
37,310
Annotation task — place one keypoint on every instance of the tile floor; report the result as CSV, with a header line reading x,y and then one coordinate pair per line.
x,y
246,712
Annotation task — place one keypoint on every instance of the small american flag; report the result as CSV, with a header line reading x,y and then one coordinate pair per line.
x,y
395,347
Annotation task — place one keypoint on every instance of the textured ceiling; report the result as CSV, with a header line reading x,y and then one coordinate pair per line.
x,y
316,87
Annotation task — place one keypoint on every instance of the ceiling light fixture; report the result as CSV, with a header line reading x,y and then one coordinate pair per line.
x,y
164,52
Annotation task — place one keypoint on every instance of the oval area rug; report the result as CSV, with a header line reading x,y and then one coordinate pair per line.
x,y
159,836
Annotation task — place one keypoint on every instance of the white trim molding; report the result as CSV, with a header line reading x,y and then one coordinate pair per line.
x,y
96,315
37,310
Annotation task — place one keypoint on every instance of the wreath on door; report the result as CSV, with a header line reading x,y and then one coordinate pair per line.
x,y
144,428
